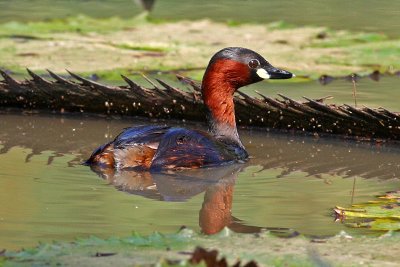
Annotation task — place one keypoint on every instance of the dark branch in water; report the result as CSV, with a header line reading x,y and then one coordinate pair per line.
x,y
166,101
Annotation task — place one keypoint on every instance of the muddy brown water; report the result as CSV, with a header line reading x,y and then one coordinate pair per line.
x,y
291,183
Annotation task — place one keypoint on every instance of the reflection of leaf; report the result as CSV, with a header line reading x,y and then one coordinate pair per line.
x,y
382,214
392,195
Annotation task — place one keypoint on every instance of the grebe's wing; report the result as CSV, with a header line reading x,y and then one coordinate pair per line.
x,y
134,147
186,149
146,134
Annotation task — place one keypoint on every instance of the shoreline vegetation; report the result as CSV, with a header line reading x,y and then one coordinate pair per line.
x,y
114,46
265,249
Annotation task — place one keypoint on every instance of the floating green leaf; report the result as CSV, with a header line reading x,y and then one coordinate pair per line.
x,y
381,214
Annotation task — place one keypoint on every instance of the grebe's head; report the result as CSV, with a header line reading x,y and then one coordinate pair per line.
x,y
239,66
228,70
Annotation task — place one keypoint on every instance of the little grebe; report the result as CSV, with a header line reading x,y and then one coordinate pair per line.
x,y
158,148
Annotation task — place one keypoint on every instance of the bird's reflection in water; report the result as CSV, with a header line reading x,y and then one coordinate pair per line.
x,y
218,184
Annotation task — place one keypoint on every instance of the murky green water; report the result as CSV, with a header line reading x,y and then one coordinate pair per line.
x,y
364,15
290,182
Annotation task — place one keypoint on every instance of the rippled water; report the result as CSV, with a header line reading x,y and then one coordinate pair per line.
x,y
290,182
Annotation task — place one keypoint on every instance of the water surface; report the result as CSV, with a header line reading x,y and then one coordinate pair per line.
x,y
291,182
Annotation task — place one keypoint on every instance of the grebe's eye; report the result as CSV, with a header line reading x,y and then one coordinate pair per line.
x,y
254,63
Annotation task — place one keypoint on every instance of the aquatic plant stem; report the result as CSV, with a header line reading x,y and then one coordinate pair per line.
x,y
353,80
353,191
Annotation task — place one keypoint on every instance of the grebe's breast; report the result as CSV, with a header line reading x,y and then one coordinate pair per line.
x,y
159,148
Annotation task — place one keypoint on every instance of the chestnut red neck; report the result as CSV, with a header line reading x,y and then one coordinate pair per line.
x,y
221,79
